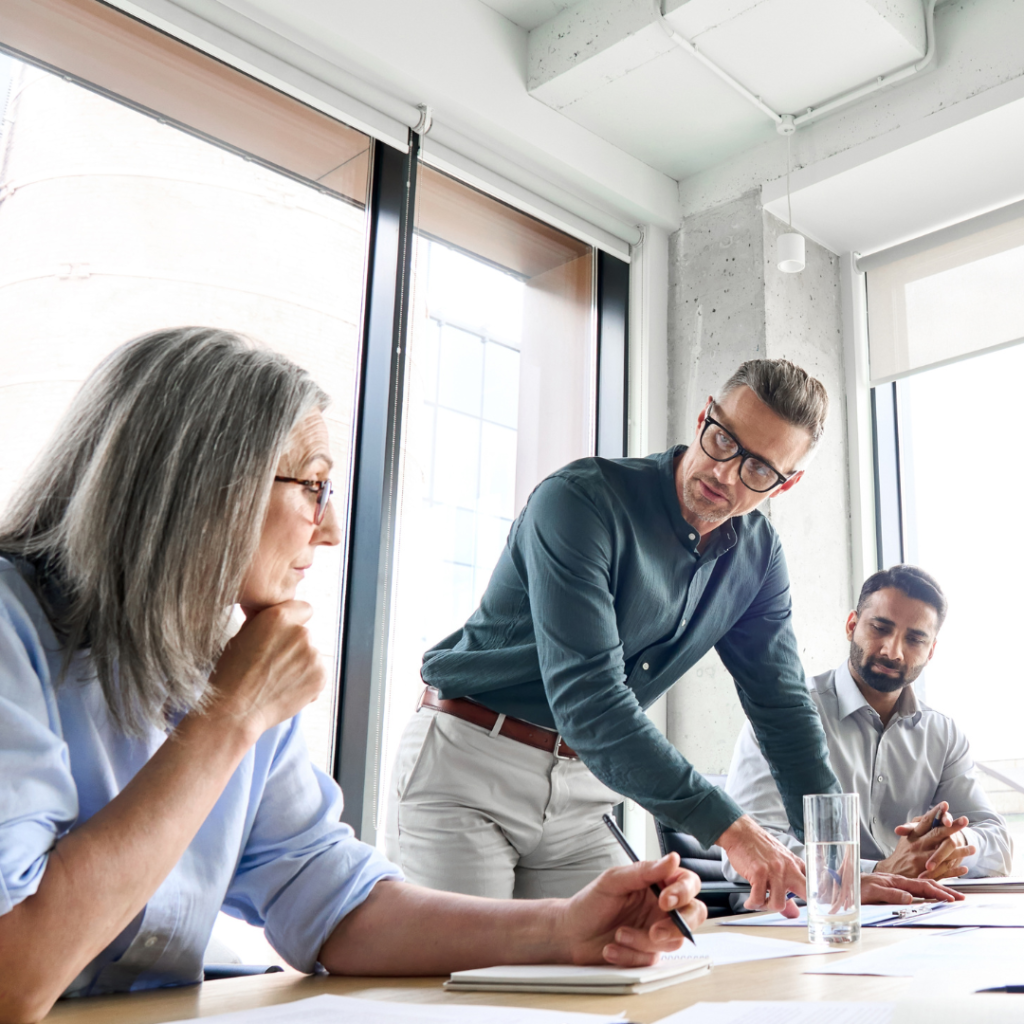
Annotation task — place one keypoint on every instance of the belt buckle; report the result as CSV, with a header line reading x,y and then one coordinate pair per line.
x,y
558,743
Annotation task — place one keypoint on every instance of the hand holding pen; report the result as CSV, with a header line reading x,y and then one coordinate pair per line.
x,y
674,916
938,832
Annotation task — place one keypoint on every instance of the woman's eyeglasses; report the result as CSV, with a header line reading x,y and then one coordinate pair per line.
x,y
321,488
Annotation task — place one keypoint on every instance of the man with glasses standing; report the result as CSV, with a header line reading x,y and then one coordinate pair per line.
x,y
618,576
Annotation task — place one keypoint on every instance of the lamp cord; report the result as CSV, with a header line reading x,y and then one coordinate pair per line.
x,y
789,164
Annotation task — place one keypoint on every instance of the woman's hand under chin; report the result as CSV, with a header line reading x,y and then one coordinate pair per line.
x,y
269,670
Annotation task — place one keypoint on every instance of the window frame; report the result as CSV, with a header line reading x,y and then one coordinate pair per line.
x,y
377,418
375,475
368,584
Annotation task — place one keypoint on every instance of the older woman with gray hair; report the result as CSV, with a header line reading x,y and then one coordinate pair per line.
x,y
153,770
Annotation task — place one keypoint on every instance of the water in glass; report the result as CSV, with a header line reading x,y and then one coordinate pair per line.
x,y
833,893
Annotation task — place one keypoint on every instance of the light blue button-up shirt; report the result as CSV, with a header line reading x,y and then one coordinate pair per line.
x,y
272,851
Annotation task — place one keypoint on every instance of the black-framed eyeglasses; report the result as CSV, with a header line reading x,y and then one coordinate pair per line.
x,y
323,489
756,474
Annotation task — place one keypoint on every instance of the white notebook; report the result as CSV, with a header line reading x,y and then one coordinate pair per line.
x,y
613,981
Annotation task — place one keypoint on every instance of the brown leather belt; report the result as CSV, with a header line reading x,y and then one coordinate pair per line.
x,y
514,728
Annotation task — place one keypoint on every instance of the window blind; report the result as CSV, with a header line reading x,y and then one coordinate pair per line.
x,y
941,302
107,49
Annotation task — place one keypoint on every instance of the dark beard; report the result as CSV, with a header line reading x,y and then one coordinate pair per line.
x,y
883,684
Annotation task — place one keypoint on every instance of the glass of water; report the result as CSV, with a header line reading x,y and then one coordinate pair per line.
x,y
832,854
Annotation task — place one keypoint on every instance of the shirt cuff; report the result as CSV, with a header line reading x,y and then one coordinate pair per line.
x,y
972,840
868,866
712,816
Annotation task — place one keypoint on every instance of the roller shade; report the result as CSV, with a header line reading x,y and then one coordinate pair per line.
x,y
939,303
105,48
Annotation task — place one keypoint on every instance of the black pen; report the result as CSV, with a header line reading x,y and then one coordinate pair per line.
x,y
674,915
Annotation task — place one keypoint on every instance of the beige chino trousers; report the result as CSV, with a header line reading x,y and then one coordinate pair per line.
x,y
485,815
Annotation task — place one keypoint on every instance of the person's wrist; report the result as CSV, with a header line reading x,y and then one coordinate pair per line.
x,y
554,937
735,833
230,725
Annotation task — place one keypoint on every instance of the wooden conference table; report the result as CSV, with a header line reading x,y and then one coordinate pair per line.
x,y
780,979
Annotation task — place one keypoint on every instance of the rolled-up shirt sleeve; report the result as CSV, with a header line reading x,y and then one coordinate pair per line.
x,y
301,870
38,796
563,549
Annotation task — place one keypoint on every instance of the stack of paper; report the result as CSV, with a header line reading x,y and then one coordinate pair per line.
x,y
985,885
594,980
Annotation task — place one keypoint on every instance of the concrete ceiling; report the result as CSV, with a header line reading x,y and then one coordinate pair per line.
x,y
875,196
592,107
610,67
528,14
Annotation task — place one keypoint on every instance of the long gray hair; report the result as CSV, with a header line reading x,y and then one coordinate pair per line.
x,y
147,508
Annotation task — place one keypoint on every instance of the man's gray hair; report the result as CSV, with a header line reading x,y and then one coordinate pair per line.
x,y
790,392
145,510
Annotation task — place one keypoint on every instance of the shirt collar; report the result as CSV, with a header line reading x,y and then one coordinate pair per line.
x,y
722,538
851,699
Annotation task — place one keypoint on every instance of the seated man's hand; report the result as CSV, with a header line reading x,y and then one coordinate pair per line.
x,y
926,852
617,919
882,888
771,869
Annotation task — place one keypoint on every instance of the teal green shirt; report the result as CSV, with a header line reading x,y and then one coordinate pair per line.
x,y
600,601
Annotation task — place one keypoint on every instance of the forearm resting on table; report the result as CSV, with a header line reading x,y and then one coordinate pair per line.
x,y
403,929
101,874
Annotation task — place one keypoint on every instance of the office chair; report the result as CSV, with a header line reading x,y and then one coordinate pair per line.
x,y
706,863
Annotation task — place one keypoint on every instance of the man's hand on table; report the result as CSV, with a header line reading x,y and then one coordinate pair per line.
x,y
926,852
771,869
617,919
878,887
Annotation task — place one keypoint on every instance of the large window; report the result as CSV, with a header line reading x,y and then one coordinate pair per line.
x,y
947,320
469,349
500,391
113,224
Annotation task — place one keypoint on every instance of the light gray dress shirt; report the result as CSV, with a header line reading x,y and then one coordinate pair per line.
x,y
899,770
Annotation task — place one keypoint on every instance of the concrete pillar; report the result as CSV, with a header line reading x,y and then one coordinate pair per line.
x,y
716,305
728,302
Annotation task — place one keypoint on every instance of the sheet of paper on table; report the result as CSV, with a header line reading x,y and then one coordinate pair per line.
x,y
977,912
973,958
783,1013
735,948
868,916
985,885
332,1009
